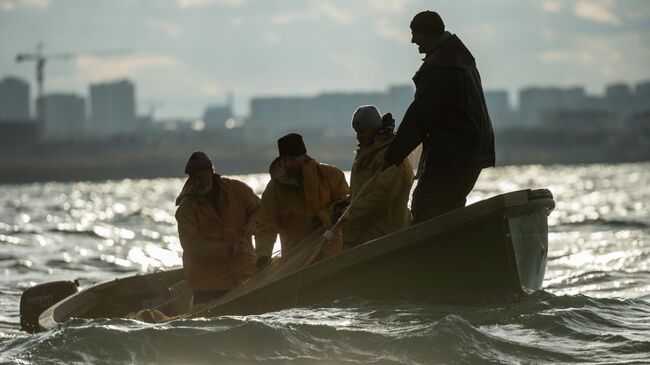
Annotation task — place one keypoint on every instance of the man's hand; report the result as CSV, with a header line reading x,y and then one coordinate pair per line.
x,y
337,210
384,165
262,262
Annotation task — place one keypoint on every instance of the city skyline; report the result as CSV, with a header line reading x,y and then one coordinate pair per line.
x,y
497,97
190,53
108,111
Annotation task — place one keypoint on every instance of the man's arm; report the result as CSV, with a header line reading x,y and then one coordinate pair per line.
x,y
190,237
426,114
267,222
252,206
339,191
340,188
373,201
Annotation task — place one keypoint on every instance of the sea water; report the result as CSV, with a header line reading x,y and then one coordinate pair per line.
x,y
594,308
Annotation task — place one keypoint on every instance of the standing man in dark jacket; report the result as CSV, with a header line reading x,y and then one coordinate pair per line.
x,y
448,116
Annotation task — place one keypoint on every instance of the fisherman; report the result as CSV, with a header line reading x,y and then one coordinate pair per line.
x,y
216,218
448,116
381,208
297,201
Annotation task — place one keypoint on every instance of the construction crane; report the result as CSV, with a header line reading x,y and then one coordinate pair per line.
x,y
40,58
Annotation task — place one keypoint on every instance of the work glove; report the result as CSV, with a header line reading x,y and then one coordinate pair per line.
x,y
262,262
387,125
337,210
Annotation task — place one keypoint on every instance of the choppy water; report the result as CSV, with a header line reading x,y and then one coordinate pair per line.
x,y
595,306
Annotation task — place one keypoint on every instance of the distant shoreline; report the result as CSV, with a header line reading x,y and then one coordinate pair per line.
x,y
75,163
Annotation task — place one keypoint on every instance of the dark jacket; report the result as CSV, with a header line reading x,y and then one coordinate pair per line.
x,y
448,115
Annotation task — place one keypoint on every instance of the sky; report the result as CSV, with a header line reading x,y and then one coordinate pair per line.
x,y
186,54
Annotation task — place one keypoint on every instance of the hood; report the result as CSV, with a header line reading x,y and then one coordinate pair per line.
x,y
450,53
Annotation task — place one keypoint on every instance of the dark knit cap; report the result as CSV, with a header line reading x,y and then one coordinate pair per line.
x,y
291,145
198,161
428,23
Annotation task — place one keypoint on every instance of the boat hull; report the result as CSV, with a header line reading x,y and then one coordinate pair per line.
x,y
491,250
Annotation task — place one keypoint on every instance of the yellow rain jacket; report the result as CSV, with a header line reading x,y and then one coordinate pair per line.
x,y
217,253
294,210
382,207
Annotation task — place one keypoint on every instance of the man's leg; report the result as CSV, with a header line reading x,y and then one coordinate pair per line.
x,y
433,197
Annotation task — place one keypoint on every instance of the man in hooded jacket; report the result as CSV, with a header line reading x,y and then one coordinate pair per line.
x,y
216,218
448,116
380,197
297,201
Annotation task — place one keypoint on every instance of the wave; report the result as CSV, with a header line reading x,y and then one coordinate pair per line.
x,y
614,223
541,328
5,257
88,232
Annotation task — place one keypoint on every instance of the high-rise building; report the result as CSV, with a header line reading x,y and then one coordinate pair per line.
x,y
112,109
14,99
323,114
642,96
18,135
499,109
619,99
536,101
218,117
398,99
579,121
63,116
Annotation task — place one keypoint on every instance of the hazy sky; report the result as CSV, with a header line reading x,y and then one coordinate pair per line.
x,y
188,53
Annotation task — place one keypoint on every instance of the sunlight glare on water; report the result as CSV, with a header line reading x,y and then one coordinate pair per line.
x,y
594,307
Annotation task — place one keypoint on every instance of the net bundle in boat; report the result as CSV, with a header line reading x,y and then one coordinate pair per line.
x,y
299,257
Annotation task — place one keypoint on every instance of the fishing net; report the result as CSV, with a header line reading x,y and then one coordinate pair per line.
x,y
300,256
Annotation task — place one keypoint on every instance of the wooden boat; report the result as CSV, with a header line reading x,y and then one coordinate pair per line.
x,y
491,248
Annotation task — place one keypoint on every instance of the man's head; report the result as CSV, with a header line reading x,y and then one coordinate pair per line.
x,y
366,122
200,169
426,26
292,152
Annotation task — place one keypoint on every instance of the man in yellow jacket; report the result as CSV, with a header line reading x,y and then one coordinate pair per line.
x,y
381,208
216,218
297,200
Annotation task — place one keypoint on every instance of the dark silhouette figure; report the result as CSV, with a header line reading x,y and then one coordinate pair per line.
x,y
448,116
